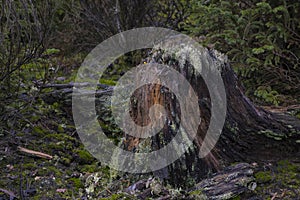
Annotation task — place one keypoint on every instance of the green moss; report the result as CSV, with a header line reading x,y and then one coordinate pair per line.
x,y
65,161
285,176
35,118
29,166
263,177
107,82
59,137
37,197
118,196
49,170
196,192
60,129
84,157
76,182
53,146
236,198
89,168
39,131
285,166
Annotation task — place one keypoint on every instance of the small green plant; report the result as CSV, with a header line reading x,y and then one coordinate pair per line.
x,y
51,51
267,94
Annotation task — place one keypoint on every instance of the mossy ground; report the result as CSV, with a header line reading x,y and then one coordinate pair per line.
x,y
29,122
73,173
278,180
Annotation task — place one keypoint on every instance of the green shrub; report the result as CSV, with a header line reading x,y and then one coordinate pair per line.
x,y
261,39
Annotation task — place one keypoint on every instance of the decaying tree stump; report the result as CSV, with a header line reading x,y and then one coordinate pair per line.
x,y
250,134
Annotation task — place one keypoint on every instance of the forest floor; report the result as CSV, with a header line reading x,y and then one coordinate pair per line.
x,y
72,173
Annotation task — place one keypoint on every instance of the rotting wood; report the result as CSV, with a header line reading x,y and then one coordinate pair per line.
x,y
230,182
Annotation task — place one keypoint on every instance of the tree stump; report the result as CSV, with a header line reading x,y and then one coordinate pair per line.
x,y
250,133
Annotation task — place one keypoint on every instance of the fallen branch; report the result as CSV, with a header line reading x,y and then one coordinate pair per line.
x,y
62,95
229,183
71,85
35,153
11,194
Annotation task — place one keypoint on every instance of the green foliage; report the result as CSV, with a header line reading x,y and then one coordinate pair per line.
x,y
267,94
260,38
51,51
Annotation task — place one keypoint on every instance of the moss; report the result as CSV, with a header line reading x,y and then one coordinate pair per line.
x,y
60,129
118,196
197,194
37,197
84,157
29,165
285,176
76,182
59,137
286,166
39,131
65,161
263,177
49,170
236,198
35,118
89,168
107,82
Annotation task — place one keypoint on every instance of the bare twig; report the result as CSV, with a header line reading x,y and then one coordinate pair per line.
x,y
36,153
11,194
274,196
